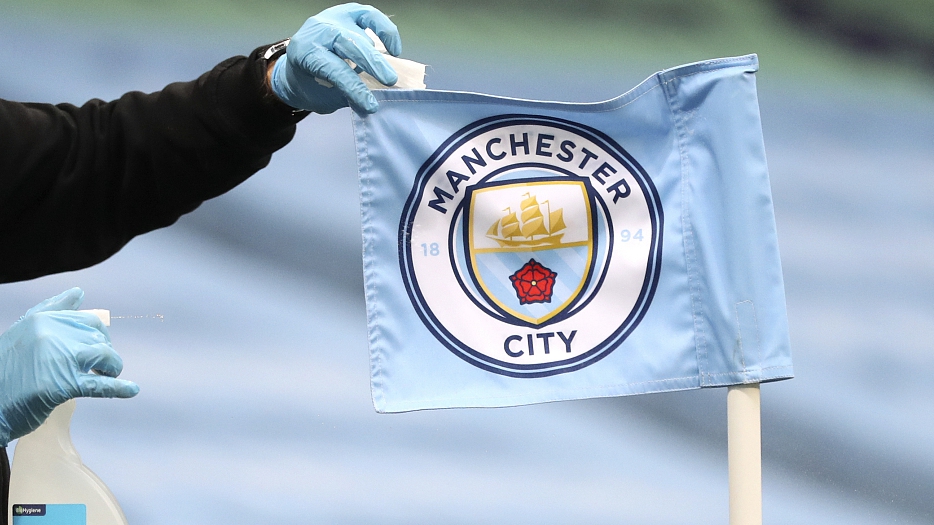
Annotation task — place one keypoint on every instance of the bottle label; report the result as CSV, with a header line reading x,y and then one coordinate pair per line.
x,y
52,514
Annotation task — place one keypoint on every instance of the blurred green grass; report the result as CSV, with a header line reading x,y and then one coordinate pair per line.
x,y
581,33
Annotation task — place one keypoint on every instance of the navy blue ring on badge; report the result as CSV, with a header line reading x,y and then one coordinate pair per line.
x,y
486,362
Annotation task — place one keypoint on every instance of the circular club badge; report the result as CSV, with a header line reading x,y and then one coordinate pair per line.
x,y
531,246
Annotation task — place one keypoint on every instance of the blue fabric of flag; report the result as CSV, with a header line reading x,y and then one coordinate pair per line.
x,y
519,251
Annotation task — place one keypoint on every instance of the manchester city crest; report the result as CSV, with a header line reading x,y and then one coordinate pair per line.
x,y
531,245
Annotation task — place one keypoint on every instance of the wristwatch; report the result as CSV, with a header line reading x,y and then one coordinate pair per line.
x,y
272,54
276,50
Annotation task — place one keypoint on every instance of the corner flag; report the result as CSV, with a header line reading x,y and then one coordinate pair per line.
x,y
521,251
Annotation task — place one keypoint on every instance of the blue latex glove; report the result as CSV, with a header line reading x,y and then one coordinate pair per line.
x,y
46,359
316,52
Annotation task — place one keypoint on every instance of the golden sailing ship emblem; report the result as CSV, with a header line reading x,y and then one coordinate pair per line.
x,y
529,226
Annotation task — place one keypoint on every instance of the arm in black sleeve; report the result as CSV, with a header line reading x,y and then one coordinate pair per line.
x,y
77,183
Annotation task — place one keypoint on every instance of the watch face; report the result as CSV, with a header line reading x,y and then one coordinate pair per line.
x,y
276,49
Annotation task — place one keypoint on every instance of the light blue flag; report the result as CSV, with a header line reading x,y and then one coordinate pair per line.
x,y
520,251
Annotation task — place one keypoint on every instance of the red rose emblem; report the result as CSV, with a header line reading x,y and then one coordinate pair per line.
x,y
533,283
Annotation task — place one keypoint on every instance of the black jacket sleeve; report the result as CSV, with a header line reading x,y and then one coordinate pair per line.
x,y
77,183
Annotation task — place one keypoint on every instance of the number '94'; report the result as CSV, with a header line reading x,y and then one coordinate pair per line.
x,y
626,235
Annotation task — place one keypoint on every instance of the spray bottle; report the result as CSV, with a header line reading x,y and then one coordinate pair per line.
x,y
49,485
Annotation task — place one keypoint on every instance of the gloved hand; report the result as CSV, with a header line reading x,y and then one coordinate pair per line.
x,y
46,358
314,60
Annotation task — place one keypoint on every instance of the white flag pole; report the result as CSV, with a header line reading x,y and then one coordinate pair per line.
x,y
744,449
